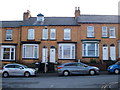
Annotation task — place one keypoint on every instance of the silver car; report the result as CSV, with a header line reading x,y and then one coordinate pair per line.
x,y
17,70
76,68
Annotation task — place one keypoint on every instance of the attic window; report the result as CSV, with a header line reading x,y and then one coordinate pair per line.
x,y
40,17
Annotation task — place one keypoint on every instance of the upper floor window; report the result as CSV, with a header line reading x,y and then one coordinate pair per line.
x,y
112,32
45,34
31,34
90,31
67,34
52,34
8,34
104,31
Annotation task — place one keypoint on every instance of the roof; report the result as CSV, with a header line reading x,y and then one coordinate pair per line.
x,y
105,19
11,23
50,21
40,14
68,21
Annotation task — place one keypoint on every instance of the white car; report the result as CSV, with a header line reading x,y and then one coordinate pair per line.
x,y
17,70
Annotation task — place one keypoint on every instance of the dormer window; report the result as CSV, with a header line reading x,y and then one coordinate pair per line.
x,y
40,17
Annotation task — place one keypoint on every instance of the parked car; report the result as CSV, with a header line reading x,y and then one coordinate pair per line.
x,y
17,70
115,68
76,68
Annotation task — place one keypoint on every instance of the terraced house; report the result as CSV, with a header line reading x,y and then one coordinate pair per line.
x,y
60,39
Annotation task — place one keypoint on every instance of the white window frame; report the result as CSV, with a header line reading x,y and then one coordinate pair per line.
x,y
31,33
104,31
45,34
112,29
61,51
36,46
90,33
85,49
52,32
2,52
9,34
67,34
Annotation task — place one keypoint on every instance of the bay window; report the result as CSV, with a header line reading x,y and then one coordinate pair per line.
x,y
90,49
30,51
7,52
66,51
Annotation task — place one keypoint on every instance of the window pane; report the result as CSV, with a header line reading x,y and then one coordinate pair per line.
x,y
6,53
112,31
8,34
90,31
67,34
66,50
45,34
31,34
52,34
104,31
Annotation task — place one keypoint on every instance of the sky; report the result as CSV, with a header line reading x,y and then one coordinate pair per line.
x,y
14,9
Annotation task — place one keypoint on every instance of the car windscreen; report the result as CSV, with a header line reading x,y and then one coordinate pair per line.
x,y
25,66
118,62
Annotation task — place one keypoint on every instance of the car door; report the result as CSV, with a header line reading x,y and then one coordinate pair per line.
x,y
10,69
82,68
19,70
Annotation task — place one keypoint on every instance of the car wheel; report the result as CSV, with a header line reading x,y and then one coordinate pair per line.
x,y
5,74
92,72
116,71
66,73
27,74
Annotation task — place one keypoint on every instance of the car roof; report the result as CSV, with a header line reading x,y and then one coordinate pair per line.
x,y
13,64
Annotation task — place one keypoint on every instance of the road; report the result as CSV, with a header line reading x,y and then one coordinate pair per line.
x,y
75,81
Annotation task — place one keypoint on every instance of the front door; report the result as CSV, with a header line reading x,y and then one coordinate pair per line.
x,y
112,52
44,54
52,55
105,52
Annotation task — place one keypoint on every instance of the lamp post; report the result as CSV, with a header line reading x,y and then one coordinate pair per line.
x,y
45,68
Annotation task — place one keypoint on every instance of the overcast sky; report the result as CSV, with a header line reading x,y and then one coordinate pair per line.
x,y
13,9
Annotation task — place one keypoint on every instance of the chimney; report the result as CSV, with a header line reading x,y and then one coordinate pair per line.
x,y
77,12
26,15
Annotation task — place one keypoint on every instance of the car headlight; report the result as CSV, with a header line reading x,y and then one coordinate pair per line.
x,y
111,67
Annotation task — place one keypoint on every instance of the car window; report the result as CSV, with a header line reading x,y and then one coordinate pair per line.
x,y
71,64
118,63
18,66
10,66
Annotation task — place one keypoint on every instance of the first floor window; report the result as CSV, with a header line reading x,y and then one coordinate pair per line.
x,y
104,31
90,31
45,34
8,52
112,32
52,34
67,34
31,34
66,51
30,51
8,34
90,49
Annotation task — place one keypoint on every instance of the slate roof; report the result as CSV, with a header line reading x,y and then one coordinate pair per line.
x,y
107,19
100,19
51,21
11,23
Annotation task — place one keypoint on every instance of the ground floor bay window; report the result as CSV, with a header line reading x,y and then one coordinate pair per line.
x,y
30,51
90,49
66,51
7,52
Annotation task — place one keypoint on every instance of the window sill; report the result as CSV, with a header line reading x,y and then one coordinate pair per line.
x,y
66,59
90,56
67,39
8,60
30,39
112,37
53,39
104,37
8,40
44,39
30,58
90,37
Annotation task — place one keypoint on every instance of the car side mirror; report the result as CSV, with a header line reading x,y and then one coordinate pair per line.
x,y
85,66
20,67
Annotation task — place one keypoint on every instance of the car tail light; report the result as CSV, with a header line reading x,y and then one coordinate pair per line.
x,y
59,67
2,68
